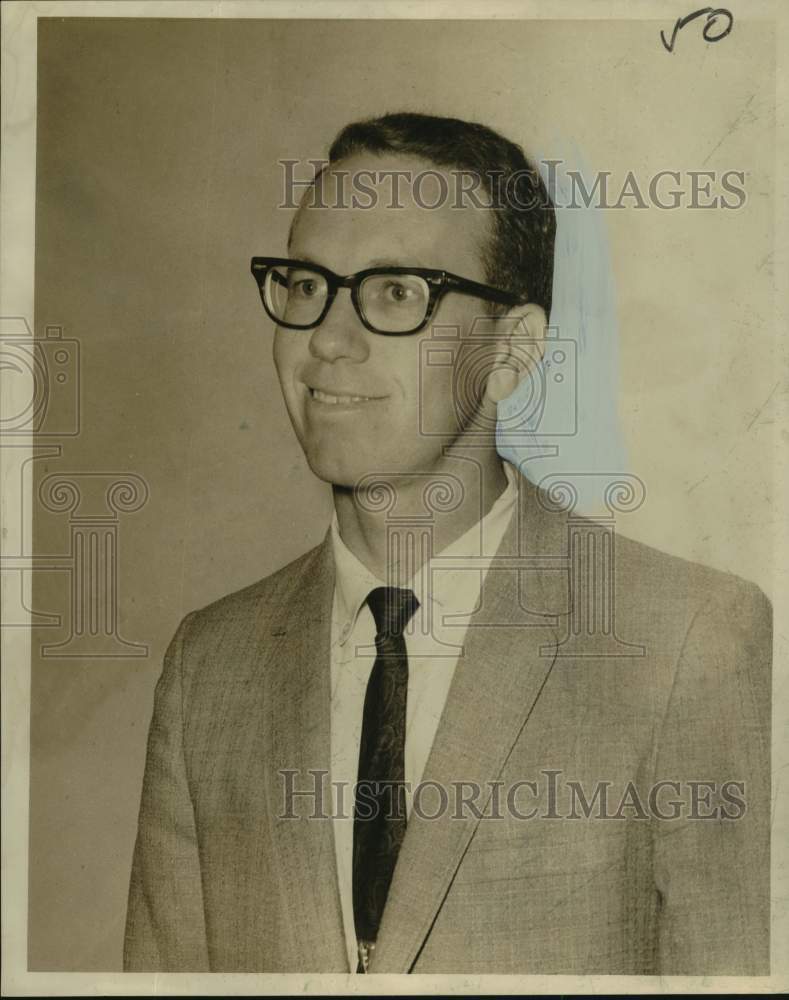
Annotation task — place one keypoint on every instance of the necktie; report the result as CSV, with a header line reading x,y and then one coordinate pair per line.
x,y
379,810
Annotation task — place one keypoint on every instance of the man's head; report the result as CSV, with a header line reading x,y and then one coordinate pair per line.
x,y
404,411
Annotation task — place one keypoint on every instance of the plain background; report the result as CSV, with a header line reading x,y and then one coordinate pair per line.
x,y
157,174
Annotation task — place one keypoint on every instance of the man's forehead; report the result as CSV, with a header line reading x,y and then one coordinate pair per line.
x,y
389,207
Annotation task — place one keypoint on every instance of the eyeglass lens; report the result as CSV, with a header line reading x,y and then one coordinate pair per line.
x,y
390,303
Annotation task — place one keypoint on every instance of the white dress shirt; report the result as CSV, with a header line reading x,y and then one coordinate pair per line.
x,y
449,585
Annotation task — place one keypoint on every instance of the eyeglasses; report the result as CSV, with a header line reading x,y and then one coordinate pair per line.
x,y
393,301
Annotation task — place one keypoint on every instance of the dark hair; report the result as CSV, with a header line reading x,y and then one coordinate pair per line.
x,y
519,256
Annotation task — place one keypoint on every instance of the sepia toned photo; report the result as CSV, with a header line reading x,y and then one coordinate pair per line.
x,y
393,573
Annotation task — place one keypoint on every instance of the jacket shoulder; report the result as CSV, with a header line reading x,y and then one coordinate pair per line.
x,y
649,584
649,576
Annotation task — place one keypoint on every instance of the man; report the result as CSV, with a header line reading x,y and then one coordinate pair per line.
x,y
435,743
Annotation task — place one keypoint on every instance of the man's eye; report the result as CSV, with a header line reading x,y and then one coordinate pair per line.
x,y
304,287
397,292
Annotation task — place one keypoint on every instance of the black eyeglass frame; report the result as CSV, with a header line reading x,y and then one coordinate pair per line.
x,y
438,282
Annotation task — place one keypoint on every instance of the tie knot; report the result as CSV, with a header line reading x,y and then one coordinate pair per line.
x,y
392,608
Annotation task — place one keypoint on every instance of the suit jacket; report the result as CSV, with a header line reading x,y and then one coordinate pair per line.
x,y
663,676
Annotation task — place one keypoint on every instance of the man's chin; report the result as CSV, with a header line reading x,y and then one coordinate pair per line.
x,y
352,469
375,475
339,470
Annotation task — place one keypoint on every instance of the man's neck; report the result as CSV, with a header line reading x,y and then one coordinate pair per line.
x,y
394,528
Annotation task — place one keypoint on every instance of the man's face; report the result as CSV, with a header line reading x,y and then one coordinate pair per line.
x,y
379,431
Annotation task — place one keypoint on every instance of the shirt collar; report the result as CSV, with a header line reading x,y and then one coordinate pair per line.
x,y
451,587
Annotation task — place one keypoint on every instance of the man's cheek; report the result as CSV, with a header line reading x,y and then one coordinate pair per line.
x,y
434,411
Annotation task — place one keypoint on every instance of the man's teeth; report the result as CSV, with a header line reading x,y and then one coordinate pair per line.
x,y
327,397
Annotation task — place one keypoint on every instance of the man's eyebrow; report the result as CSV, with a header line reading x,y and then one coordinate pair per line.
x,y
397,262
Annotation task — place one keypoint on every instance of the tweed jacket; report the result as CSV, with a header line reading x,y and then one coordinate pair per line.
x,y
612,703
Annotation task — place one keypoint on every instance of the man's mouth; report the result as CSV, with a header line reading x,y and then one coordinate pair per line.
x,y
339,399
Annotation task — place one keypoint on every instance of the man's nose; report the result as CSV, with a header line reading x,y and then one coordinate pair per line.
x,y
341,334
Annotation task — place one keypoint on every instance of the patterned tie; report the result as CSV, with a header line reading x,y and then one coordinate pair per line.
x,y
379,811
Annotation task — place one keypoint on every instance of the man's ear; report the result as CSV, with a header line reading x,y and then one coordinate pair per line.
x,y
522,347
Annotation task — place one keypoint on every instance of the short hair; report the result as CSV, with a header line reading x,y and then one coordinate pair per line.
x,y
519,255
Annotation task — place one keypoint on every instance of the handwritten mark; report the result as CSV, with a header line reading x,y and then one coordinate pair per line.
x,y
709,26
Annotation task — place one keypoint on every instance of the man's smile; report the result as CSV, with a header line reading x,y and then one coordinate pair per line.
x,y
336,396
334,399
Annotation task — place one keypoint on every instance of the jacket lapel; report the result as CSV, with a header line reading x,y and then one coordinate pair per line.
x,y
497,680
298,682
